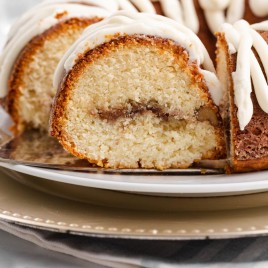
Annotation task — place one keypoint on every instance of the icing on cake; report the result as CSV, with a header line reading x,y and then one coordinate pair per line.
x,y
129,23
242,38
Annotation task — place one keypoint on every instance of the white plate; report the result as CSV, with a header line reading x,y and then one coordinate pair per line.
x,y
199,185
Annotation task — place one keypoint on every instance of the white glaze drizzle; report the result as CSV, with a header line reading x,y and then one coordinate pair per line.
x,y
172,9
216,12
236,10
259,7
241,38
144,6
111,5
184,11
39,11
129,23
190,16
33,23
127,5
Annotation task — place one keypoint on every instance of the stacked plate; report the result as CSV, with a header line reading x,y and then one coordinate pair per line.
x,y
44,187
169,183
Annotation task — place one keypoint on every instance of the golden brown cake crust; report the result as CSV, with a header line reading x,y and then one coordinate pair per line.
x,y
65,90
25,57
243,157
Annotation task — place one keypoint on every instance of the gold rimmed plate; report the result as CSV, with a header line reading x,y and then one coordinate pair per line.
x,y
40,155
62,207
37,154
155,184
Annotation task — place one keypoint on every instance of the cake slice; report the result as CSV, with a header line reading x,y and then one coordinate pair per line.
x,y
242,53
36,43
138,91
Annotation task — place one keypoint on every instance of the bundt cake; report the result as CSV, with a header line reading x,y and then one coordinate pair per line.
x,y
242,54
36,43
138,90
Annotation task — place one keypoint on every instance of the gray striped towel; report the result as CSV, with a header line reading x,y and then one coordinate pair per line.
x,y
122,253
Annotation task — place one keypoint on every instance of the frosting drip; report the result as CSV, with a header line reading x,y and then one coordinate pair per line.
x,y
111,5
216,12
241,38
40,11
182,11
42,17
125,22
35,22
259,7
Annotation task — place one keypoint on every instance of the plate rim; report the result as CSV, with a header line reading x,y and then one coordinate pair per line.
x,y
124,223
137,234
201,189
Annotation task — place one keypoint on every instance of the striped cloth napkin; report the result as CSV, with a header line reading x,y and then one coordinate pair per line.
x,y
122,253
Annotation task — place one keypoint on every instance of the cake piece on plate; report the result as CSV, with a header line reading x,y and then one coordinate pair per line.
x,y
243,70
138,90
36,43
